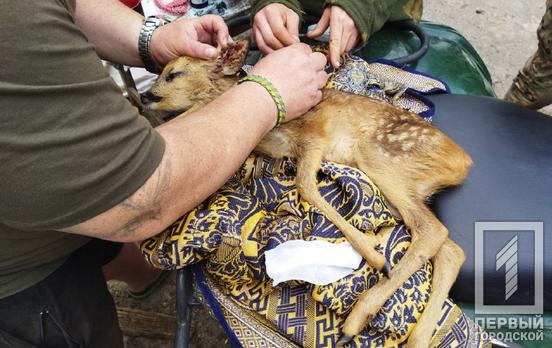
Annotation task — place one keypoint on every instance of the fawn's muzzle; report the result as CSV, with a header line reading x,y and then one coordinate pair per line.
x,y
148,98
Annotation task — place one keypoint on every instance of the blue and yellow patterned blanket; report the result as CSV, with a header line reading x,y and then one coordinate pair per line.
x,y
259,208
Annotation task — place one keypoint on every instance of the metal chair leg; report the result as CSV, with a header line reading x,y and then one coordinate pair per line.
x,y
184,297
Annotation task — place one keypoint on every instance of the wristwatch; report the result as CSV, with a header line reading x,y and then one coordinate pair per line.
x,y
144,39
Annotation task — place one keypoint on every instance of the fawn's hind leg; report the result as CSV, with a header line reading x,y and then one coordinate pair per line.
x,y
406,176
308,164
446,265
428,234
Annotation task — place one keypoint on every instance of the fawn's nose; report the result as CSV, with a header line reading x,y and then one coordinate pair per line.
x,y
148,98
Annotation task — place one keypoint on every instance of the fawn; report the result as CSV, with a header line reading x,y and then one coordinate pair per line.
x,y
407,158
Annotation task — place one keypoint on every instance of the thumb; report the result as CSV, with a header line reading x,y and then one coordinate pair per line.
x,y
200,50
322,25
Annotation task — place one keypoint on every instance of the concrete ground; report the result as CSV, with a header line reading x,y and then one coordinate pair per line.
x,y
503,32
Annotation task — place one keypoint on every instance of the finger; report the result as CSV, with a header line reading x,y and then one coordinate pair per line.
x,y
336,32
344,41
215,26
201,50
351,42
280,31
319,61
322,24
303,47
268,36
292,24
206,37
223,39
263,47
322,79
318,96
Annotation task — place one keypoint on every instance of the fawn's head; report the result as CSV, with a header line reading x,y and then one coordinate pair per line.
x,y
186,81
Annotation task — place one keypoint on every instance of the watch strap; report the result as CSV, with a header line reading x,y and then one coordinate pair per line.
x,y
144,42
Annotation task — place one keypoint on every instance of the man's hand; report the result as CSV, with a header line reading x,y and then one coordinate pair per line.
x,y
275,26
197,37
344,34
298,73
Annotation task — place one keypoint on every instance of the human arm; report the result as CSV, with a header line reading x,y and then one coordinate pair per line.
x,y
369,16
114,31
205,148
276,25
202,150
352,21
344,34
77,157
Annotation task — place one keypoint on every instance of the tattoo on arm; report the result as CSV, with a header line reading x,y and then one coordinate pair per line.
x,y
146,204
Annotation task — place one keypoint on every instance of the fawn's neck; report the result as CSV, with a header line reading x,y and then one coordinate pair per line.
x,y
224,84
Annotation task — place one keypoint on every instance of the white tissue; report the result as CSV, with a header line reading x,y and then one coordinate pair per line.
x,y
317,262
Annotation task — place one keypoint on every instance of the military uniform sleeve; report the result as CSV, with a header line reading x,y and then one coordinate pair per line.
x,y
71,146
370,15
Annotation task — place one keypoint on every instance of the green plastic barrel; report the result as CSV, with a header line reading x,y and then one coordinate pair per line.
x,y
450,56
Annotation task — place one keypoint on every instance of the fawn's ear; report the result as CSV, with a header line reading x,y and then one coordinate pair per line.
x,y
232,58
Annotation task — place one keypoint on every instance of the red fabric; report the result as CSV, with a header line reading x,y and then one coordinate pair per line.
x,y
130,3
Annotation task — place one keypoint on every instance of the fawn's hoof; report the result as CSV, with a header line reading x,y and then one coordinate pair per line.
x,y
344,339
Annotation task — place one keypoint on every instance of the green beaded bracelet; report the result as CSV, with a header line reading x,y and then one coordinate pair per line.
x,y
263,81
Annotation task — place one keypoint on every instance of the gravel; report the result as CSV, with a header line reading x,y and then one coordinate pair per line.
x,y
503,32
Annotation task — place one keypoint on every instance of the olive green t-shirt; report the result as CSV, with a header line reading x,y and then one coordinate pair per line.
x,y
71,146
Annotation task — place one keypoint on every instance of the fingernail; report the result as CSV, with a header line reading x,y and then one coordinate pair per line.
x,y
230,40
210,51
296,38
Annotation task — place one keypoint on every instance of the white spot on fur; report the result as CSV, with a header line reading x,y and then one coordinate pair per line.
x,y
407,145
403,136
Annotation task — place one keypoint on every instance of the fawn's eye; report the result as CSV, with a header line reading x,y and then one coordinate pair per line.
x,y
174,75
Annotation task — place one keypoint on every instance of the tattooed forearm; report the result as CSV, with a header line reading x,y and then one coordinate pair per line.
x,y
129,229
144,205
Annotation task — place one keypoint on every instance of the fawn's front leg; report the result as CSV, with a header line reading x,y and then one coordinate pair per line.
x,y
308,164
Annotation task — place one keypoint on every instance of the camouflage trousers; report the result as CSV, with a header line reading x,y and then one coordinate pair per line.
x,y
533,85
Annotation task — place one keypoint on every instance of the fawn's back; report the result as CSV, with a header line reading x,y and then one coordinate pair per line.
x,y
353,129
349,129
